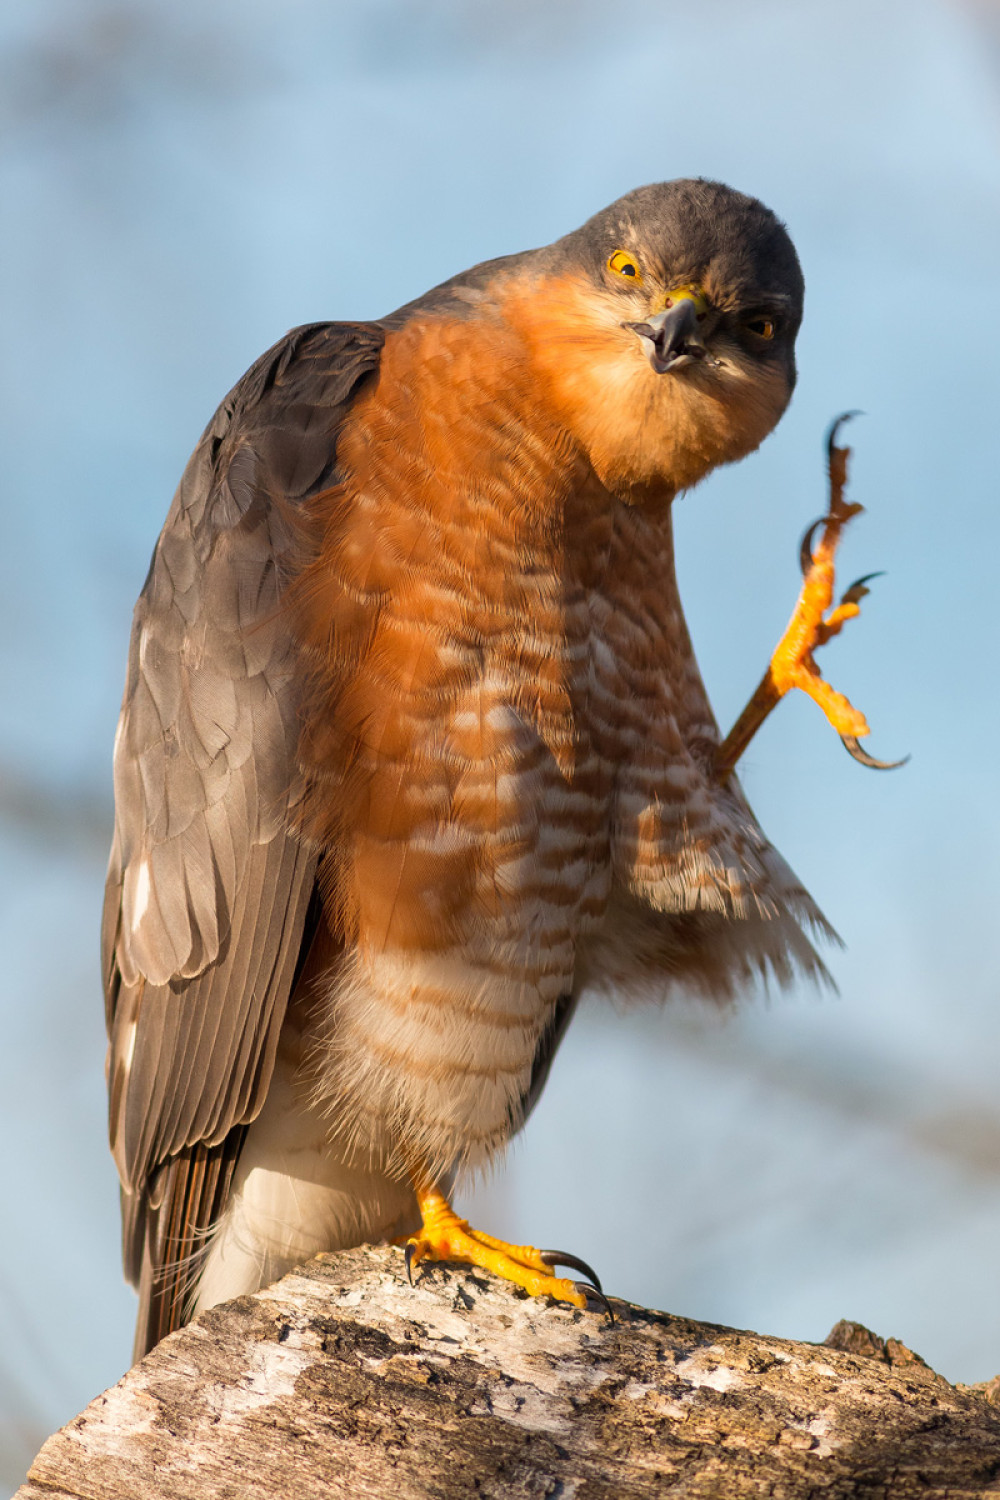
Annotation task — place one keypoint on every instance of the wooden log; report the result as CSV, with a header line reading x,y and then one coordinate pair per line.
x,y
341,1380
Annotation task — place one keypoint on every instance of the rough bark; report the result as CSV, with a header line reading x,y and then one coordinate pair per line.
x,y
342,1381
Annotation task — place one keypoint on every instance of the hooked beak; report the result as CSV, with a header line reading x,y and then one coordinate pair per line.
x,y
672,338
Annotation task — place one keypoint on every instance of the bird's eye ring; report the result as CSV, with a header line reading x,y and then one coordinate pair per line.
x,y
764,328
622,264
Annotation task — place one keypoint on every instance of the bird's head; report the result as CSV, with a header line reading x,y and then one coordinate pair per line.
x,y
664,331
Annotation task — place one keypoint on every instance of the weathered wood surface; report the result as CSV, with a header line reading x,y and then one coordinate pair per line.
x,y
342,1381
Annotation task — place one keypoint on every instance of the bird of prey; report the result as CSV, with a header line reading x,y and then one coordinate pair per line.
x,y
414,749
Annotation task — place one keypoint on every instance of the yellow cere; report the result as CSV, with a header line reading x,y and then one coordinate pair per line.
x,y
688,294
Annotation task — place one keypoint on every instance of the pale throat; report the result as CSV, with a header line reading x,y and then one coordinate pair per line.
x,y
647,435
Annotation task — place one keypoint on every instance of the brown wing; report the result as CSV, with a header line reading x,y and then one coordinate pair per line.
x,y
209,889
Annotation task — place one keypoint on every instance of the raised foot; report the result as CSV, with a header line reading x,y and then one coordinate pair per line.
x,y
444,1236
814,621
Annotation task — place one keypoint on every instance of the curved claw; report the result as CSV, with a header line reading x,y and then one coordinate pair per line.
x,y
592,1291
854,749
806,546
858,589
563,1258
835,426
410,1252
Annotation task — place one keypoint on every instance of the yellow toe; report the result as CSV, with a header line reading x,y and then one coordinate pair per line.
x,y
445,1237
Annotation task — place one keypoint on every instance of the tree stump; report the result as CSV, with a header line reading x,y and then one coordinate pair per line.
x,y
341,1380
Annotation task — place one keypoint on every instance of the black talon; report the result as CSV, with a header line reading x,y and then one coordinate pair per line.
x,y
867,578
410,1252
835,426
857,589
854,749
598,1296
563,1258
806,546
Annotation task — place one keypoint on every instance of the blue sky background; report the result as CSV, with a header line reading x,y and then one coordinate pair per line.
x,y
181,183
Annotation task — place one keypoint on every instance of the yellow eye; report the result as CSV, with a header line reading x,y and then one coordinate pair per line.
x,y
762,327
623,265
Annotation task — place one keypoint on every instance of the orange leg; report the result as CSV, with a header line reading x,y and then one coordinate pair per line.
x,y
444,1236
813,623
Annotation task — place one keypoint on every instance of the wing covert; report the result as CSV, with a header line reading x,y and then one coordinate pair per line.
x,y
208,885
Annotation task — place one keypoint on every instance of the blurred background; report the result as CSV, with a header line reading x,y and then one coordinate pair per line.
x,y
182,182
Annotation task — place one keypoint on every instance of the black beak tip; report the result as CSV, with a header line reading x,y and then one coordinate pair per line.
x,y
672,336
